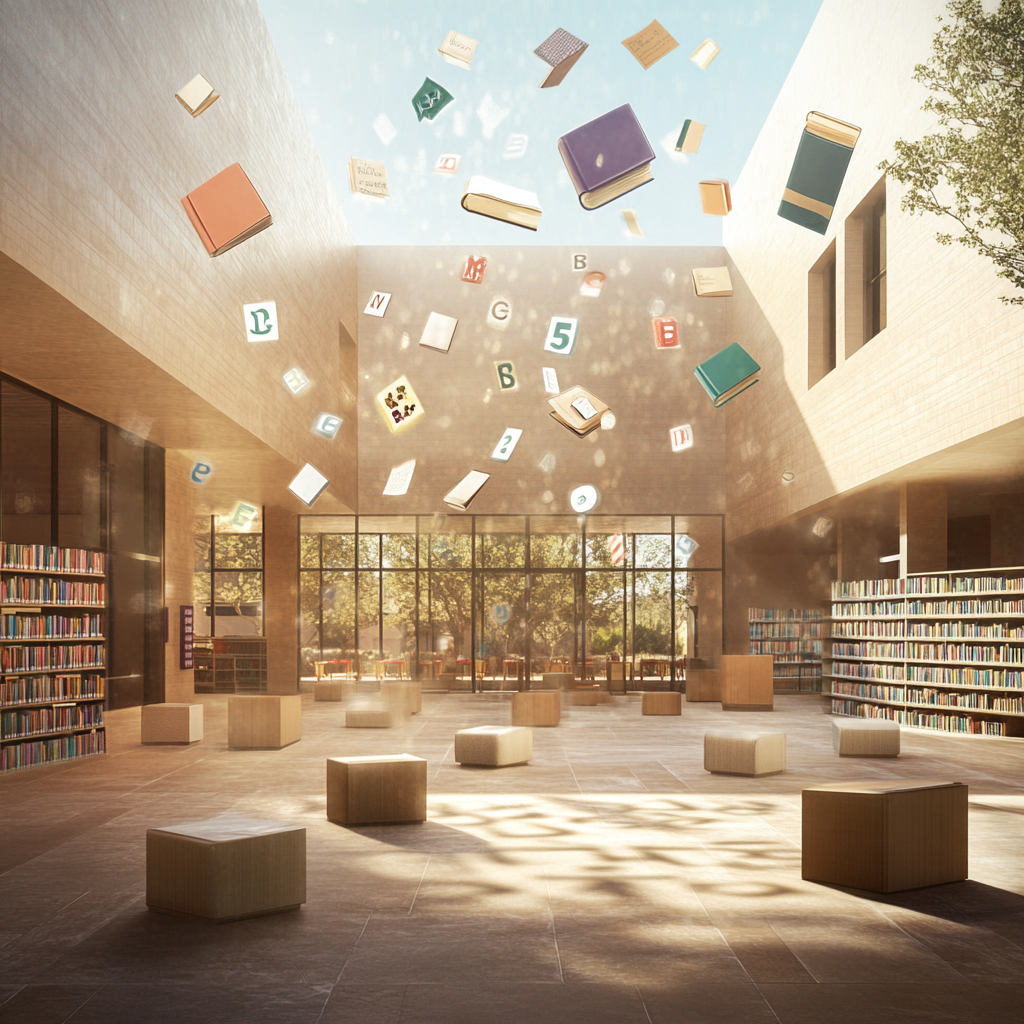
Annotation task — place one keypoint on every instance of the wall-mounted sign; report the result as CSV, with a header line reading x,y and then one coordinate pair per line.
x,y
185,636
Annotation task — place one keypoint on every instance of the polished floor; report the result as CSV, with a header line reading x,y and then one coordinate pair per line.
x,y
610,880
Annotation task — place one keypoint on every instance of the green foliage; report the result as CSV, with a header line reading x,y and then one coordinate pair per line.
x,y
976,76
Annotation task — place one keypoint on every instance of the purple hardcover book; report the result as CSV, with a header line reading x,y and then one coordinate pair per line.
x,y
607,157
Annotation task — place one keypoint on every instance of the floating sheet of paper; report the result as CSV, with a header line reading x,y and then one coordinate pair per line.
x,y
438,332
385,130
368,177
309,484
629,216
550,381
705,53
260,321
650,44
507,445
400,478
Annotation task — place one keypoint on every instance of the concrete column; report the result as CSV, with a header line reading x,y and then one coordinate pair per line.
x,y
922,527
1007,530
179,524
280,598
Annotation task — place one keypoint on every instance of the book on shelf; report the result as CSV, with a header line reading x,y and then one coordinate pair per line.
x,y
197,95
689,137
727,373
650,44
822,157
466,489
607,157
578,409
560,51
715,197
491,198
438,332
711,282
226,210
368,178
458,49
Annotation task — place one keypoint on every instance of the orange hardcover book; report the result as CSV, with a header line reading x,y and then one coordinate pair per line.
x,y
715,197
226,210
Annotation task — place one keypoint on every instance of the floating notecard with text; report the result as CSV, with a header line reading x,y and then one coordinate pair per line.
x,y
507,445
399,480
309,484
550,381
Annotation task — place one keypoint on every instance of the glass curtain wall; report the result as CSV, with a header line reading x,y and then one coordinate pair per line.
x,y
493,602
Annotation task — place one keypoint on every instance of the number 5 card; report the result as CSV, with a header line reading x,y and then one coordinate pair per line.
x,y
507,445
561,335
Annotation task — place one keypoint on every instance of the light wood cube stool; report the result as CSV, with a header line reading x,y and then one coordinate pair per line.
x,y
587,696
329,689
557,680
865,737
655,702
381,790
885,836
703,684
732,752
225,869
172,723
747,683
408,692
376,714
495,746
537,707
264,723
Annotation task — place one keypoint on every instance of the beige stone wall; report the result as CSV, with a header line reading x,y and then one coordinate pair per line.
x,y
948,367
97,154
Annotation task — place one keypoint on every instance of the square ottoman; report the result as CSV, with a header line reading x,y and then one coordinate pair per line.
x,y
587,696
732,752
172,723
655,702
494,746
329,690
225,869
264,722
865,737
383,789
537,707
376,714
885,836
557,680
406,691
703,684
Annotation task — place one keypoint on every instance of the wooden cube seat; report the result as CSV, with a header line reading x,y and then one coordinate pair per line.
x,y
266,722
225,869
703,684
329,690
746,682
383,789
865,737
537,707
406,691
885,836
172,723
587,696
557,680
494,746
735,752
661,702
376,714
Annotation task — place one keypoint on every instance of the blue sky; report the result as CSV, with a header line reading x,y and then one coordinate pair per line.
x,y
350,61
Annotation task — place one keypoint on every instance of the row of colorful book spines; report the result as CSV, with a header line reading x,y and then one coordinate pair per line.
x,y
29,689
784,614
34,721
52,656
942,698
920,720
950,630
796,670
786,646
30,589
1006,653
20,627
46,557
24,755
786,630
926,585
852,611
938,676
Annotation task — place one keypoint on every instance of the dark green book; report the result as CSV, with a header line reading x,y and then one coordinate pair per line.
x,y
430,100
727,373
816,177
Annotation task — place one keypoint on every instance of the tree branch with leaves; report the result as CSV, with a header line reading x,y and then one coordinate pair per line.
x,y
974,171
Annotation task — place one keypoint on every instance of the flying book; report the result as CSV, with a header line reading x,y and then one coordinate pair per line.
x,y
650,44
466,490
368,177
727,373
816,177
309,484
607,157
399,405
578,410
710,282
430,100
705,53
226,210
715,197
491,198
458,50
561,50
197,95
439,331
690,136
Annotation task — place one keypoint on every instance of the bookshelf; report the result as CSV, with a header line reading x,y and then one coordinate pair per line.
x,y
52,654
941,651
795,638
230,664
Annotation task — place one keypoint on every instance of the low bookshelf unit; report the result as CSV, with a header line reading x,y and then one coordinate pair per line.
x,y
795,638
941,651
230,664
52,654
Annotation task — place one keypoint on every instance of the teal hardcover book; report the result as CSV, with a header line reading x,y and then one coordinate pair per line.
x,y
816,177
430,100
727,373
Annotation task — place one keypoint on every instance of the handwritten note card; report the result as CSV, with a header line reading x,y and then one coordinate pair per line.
x,y
650,44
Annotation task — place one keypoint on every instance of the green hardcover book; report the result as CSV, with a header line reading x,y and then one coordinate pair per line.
x,y
818,171
727,373
430,100
690,136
